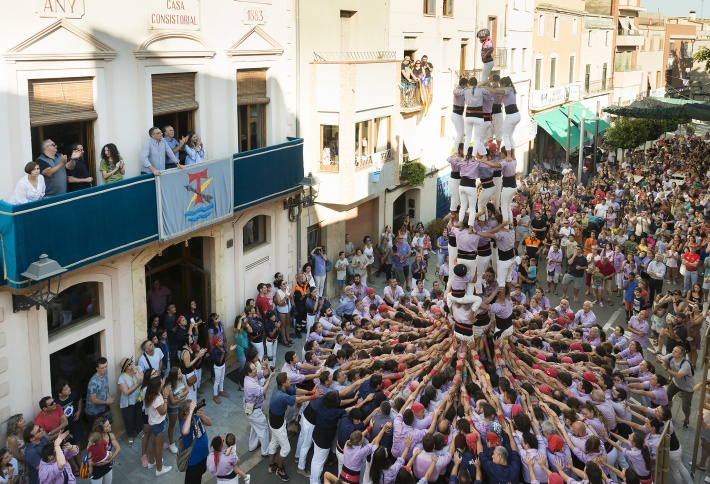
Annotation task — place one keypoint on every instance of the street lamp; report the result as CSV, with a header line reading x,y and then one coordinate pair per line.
x,y
44,269
295,204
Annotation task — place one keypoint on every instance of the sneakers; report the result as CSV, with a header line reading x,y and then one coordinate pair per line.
x,y
144,460
173,448
273,468
162,471
281,474
150,466
601,304
686,425
247,479
165,445
304,472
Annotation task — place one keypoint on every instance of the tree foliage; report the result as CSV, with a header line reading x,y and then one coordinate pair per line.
x,y
627,133
413,172
703,55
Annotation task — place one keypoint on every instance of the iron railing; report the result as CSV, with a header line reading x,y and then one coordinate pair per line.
x,y
596,87
621,67
377,55
652,19
410,97
374,158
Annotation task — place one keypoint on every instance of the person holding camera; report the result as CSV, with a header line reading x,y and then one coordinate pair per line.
x,y
254,396
54,467
156,402
192,423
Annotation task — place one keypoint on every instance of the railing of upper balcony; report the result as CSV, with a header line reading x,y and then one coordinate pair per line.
x,y
378,55
622,67
374,158
410,95
595,87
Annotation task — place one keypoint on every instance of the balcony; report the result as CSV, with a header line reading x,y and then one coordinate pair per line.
x,y
375,159
629,38
410,97
627,67
594,88
31,229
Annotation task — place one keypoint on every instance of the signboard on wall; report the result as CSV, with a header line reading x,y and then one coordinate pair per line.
x,y
174,14
60,8
443,196
543,98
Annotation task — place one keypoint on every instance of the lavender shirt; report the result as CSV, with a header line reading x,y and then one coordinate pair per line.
x,y
455,163
354,456
224,466
641,326
469,169
508,167
505,239
253,392
587,320
509,97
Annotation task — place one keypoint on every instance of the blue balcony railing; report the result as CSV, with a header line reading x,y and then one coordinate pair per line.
x,y
81,228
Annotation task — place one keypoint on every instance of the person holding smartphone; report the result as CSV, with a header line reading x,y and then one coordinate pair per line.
x,y
156,402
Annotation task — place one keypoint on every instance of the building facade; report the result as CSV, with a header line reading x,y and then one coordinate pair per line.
x,y
80,72
652,27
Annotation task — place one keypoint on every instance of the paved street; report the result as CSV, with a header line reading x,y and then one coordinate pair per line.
x,y
229,417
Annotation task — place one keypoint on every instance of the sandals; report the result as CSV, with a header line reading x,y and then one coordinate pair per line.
x,y
130,442
610,302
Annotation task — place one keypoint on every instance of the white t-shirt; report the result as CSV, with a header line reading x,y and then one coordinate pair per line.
x,y
153,360
154,417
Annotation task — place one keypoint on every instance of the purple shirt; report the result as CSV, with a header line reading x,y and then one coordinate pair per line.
x,y
508,167
293,373
502,310
505,239
253,392
360,291
459,97
354,456
225,463
49,473
635,460
423,461
400,432
631,360
587,320
641,326
455,163
487,100
469,169
509,96
465,240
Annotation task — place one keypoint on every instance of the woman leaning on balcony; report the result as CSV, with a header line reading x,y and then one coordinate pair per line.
x,y
29,188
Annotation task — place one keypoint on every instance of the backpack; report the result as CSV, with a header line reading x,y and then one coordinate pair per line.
x,y
328,266
692,370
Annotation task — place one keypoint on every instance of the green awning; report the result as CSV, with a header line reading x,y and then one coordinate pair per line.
x,y
554,122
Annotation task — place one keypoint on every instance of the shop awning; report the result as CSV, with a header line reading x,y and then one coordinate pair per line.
x,y
664,108
555,123
577,110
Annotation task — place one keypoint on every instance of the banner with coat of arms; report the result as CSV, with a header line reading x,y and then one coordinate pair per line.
x,y
196,196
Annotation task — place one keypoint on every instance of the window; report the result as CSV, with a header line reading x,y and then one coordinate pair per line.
x,y
574,26
525,59
174,102
541,24
513,58
448,8
254,232
493,27
63,110
73,305
671,46
653,40
251,105
658,79
329,143
446,49
589,38
556,28
538,73
313,237
442,127
363,144
76,363
660,44
553,71
462,56
571,69
381,134
606,39
587,76
429,7
605,71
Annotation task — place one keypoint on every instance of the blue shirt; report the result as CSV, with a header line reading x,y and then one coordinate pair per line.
x,y
98,385
173,143
629,291
404,250
33,457
201,449
345,428
318,265
281,400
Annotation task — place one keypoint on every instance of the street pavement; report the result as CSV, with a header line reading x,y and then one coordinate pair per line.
x,y
229,416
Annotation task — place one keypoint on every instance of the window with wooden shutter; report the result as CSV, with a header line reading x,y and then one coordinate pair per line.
x,y
55,101
251,87
173,93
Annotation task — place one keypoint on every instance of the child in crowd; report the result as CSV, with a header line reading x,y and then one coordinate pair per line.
x,y
597,284
98,448
341,270
639,302
630,286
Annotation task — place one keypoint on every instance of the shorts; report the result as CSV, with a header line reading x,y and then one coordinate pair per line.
x,y
340,282
579,282
595,286
158,429
553,278
173,410
628,305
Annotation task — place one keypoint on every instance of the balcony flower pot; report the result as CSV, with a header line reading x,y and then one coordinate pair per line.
x,y
413,173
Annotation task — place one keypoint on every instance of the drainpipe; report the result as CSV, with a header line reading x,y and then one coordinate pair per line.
x,y
298,71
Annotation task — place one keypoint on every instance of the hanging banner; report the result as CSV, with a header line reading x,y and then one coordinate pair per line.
x,y
194,197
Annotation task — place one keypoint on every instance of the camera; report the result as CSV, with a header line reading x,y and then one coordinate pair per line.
x,y
272,368
200,404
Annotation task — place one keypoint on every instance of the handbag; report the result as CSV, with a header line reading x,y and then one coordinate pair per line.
x,y
183,454
192,379
248,409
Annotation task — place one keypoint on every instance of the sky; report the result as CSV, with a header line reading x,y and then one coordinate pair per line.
x,y
678,8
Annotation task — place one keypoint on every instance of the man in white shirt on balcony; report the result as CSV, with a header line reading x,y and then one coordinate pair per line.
x,y
154,153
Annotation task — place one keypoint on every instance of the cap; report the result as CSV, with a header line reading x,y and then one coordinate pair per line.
x,y
555,443
125,362
386,392
216,340
386,383
492,147
541,356
370,290
417,407
492,439
562,321
472,439
435,310
516,409
569,315
460,270
413,386
590,376
576,346
555,478
566,359
545,389
536,367
551,373
383,308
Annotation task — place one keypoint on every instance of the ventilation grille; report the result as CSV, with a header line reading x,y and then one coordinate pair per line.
x,y
257,263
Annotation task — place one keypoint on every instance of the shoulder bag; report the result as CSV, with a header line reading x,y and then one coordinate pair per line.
x,y
183,454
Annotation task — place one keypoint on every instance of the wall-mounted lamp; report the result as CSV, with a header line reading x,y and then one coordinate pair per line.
x,y
44,269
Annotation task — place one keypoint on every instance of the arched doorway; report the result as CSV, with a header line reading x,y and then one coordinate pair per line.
x,y
405,204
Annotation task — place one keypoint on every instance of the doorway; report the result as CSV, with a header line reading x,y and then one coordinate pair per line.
x,y
64,135
399,210
180,268
76,363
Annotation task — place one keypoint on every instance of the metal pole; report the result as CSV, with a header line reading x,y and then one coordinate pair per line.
x,y
701,405
581,149
596,135
298,235
569,128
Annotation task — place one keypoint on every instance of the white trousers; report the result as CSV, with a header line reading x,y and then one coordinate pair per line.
x,y
487,132
259,347
218,379
483,198
474,136
198,372
341,457
320,284
497,121
453,253
457,119
479,137
471,267
487,69
310,321
305,439
498,184
279,440
318,462
678,472
271,347
468,202
511,121
454,192
504,271
258,431
481,266
506,200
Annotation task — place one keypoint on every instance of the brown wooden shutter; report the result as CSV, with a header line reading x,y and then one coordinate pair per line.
x,y
251,86
173,93
54,101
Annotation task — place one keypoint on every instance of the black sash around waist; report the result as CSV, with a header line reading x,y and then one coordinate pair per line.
x,y
458,109
475,112
487,117
497,109
458,292
456,175
482,319
504,255
349,475
511,109
468,182
487,182
497,174
509,182
504,323
466,255
452,241
463,329
485,250
230,476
